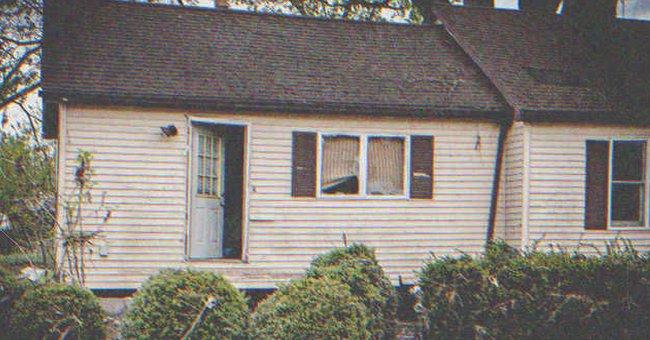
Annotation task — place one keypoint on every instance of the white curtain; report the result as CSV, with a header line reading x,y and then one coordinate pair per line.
x,y
385,166
340,160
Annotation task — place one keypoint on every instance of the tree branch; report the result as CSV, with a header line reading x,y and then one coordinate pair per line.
x,y
20,42
19,94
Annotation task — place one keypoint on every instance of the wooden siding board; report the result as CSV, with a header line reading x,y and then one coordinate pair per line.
x,y
558,191
143,175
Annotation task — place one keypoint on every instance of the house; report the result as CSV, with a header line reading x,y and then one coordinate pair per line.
x,y
247,143
576,170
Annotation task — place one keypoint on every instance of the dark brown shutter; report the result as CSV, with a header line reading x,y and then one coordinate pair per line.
x,y
303,164
422,167
50,124
596,183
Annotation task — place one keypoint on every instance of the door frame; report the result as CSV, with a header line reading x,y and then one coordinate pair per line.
x,y
247,125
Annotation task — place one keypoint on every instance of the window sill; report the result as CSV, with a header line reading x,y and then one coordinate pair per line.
x,y
626,227
363,198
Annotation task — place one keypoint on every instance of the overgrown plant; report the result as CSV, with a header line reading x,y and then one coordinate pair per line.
x,y
57,311
75,241
357,267
26,197
312,308
532,295
179,304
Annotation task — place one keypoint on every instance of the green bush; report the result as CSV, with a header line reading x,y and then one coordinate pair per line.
x,y
168,304
508,294
311,309
357,267
50,311
10,290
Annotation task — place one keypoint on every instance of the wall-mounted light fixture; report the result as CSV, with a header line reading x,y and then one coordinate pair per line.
x,y
169,130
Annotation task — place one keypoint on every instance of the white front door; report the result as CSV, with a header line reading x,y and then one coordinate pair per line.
x,y
206,222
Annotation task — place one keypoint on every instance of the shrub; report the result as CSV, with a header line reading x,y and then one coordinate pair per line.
x,y
50,311
509,294
10,290
168,304
357,267
311,309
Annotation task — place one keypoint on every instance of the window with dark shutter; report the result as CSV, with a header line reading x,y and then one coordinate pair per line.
x,y
597,180
422,167
303,164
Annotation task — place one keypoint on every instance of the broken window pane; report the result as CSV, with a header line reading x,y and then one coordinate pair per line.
x,y
385,166
340,165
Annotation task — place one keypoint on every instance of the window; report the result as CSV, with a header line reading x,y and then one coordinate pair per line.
x,y
343,172
209,169
340,165
362,166
385,166
627,190
616,184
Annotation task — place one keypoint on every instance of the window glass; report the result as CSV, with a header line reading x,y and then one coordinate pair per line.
x,y
627,203
628,161
627,200
209,170
385,166
340,165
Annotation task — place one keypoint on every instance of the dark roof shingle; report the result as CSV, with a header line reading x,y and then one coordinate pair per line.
x,y
547,69
164,54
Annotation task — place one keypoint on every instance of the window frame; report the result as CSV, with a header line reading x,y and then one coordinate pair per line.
x,y
610,185
363,166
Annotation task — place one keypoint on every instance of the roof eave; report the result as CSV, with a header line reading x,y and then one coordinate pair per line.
x,y
205,104
587,116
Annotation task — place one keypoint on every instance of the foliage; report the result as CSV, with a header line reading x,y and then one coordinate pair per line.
x,y
20,49
27,194
10,290
357,267
185,298
311,309
362,10
17,261
407,302
57,312
508,294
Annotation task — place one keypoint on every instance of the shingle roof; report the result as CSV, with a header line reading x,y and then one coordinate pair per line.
x,y
124,52
579,81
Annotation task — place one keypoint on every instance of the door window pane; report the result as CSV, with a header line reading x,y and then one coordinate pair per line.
x,y
340,165
385,166
208,165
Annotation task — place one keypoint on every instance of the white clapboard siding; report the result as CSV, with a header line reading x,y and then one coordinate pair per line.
x,y
141,177
512,187
557,187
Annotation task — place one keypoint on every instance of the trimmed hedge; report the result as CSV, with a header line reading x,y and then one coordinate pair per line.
x,y
357,267
49,311
311,309
168,304
507,294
